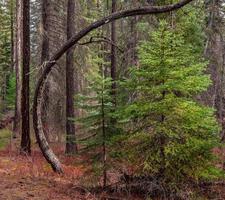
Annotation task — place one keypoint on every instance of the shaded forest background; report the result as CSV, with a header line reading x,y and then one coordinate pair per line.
x,y
139,100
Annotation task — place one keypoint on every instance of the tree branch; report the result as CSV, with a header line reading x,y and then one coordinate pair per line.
x,y
100,39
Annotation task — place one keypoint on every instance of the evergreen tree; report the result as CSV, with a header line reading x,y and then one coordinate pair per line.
x,y
174,134
98,108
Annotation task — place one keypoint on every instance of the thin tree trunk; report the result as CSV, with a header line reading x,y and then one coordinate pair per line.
x,y
71,146
113,54
12,32
104,142
25,139
18,67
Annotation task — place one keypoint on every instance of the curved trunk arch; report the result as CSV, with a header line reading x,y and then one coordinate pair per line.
x,y
37,122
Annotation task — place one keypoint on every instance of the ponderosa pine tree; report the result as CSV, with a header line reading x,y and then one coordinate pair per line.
x,y
174,134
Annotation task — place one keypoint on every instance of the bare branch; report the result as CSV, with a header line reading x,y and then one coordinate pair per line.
x,y
100,39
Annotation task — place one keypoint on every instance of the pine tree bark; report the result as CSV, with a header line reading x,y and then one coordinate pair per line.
x,y
71,146
214,52
53,31
18,68
25,47
113,54
44,33
45,57
12,32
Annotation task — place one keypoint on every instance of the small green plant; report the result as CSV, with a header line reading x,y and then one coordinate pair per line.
x,y
98,120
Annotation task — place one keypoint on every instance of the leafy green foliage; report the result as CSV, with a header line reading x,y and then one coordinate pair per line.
x,y
173,135
98,118
97,104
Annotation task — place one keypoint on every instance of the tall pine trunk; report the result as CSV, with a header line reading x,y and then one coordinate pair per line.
x,y
12,32
44,33
71,146
44,58
18,67
25,47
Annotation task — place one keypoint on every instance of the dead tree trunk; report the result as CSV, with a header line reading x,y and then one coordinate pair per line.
x,y
38,126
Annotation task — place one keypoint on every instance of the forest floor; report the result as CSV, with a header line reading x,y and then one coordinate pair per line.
x,y
31,178
26,178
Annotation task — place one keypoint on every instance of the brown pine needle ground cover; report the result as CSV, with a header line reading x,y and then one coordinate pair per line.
x,y
31,178
28,178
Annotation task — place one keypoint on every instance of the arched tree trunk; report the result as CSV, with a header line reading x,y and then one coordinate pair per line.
x,y
38,127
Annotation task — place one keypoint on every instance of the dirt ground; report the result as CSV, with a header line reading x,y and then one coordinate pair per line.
x,y
31,178
26,188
